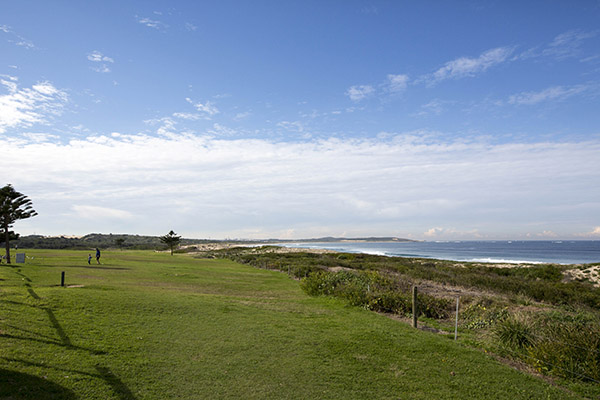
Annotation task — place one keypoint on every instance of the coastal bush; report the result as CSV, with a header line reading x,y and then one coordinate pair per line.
x,y
373,291
569,350
515,332
556,343
391,302
483,314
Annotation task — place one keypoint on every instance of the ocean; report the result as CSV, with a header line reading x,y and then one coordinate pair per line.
x,y
538,252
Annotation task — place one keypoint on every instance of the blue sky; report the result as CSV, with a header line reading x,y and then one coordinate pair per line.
x,y
256,119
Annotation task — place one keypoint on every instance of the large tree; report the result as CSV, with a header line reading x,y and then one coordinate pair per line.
x,y
171,239
13,206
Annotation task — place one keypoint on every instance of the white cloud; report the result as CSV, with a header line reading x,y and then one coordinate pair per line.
x,y
435,107
552,93
190,27
151,23
242,115
29,106
209,186
568,44
102,69
468,67
94,212
96,56
396,83
294,126
208,108
17,39
359,92
433,232
188,116
221,130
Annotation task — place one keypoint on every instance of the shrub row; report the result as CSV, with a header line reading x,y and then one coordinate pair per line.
x,y
374,292
568,348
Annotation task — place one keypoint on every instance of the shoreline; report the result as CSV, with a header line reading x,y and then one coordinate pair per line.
x,y
577,271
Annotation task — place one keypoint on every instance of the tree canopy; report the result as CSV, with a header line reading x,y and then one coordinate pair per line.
x,y
171,239
13,207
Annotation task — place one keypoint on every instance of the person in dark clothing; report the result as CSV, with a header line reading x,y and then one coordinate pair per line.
x,y
98,255
89,258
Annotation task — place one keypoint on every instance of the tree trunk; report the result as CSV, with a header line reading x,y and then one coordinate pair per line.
x,y
7,243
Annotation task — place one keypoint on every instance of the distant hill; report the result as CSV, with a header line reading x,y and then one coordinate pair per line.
x,y
140,242
93,240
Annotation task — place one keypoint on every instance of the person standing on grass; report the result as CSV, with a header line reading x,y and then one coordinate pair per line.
x,y
98,255
89,258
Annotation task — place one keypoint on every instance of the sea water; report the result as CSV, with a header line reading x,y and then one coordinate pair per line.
x,y
558,252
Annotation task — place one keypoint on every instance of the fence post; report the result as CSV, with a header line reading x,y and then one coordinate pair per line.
x,y
456,323
415,307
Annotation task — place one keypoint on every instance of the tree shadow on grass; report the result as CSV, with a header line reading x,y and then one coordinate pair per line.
x,y
17,385
117,385
26,386
119,388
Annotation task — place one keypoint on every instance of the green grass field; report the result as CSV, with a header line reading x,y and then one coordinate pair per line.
x,y
147,325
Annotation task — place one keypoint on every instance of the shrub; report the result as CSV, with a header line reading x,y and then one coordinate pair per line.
x,y
570,351
433,307
479,315
391,302
515,333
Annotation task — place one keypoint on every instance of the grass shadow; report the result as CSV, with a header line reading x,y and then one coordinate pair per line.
x,y
117,385
17,385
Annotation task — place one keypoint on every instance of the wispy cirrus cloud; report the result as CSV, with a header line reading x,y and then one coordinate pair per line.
x,y
551,93
434,107
16,39
396,83
97,56
469,66
152,23
102,60
187,116
360,92
565,45
207,108
28,106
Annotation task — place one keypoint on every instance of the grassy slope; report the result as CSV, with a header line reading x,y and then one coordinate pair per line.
x,y
152,326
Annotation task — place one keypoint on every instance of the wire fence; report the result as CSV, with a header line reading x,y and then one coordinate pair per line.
x,y
538,363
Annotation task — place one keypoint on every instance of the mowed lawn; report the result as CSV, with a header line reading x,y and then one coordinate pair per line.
x,y
146,325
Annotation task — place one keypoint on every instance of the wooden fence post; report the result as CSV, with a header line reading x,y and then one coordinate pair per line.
x,y
414,306
456,323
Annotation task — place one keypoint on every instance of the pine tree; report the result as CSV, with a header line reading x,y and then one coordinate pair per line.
x,y
171,239
13,206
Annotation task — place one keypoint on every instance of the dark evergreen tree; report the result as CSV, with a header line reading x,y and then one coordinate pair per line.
x,y
171,239
13,207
